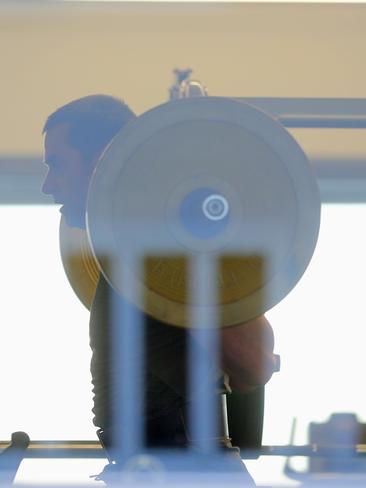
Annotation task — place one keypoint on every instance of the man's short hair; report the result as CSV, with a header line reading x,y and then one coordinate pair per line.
x,y
93,121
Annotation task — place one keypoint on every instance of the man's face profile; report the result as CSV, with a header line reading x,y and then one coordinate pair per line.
x,y
68,175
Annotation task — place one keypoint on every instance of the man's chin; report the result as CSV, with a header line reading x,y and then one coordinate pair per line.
x,y
73,219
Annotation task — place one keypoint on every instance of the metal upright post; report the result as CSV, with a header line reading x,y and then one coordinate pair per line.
x,y
203,354
128,366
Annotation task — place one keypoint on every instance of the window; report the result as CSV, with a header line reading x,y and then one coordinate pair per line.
x,y
46,391
320,334
44,355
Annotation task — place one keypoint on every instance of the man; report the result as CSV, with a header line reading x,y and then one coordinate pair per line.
x,y
75,137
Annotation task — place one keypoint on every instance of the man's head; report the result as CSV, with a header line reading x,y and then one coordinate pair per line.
x,y
75,136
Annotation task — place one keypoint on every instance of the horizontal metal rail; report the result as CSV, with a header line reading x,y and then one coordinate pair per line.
x,y
315,450
61,449
93,449
314,113
322,122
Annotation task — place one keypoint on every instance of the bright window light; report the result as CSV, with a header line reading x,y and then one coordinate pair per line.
x,y
44,341
320,334
44,344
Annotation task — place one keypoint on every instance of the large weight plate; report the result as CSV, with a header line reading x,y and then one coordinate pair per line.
x,y
204,177
80,266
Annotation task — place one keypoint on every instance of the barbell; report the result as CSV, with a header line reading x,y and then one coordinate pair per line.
x,y
204,178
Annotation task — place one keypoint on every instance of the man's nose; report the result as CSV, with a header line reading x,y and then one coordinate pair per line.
x,y
48,186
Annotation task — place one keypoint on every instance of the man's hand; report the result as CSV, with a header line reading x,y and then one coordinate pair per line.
x,y
247,354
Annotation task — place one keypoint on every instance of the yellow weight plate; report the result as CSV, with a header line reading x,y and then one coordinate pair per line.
x,y
80,266
207,177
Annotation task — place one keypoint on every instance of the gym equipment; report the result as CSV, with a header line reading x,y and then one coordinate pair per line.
x,y
194,176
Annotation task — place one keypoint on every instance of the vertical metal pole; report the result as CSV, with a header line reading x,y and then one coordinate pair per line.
x,y
203,354
128,365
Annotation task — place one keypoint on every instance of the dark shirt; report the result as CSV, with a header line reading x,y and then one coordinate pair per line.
x,y
165,370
